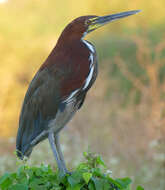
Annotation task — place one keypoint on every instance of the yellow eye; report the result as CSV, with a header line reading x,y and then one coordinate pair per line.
x,y
87,22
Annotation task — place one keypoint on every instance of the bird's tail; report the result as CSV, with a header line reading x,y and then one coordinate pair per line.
x,y
23,139
29,130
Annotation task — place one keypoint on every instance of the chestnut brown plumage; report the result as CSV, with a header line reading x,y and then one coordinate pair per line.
x,y
59,87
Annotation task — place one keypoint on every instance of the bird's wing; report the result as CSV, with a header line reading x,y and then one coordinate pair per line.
x,y
50,90
39,107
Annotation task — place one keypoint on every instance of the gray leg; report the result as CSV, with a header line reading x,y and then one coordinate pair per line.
x,y
54,149
57,142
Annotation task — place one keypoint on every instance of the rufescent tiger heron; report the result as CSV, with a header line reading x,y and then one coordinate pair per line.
x,y
59,88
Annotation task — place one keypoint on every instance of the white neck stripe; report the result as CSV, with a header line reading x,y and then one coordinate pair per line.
x,y
88,45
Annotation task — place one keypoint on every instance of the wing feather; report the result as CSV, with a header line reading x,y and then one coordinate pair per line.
x,y
40,105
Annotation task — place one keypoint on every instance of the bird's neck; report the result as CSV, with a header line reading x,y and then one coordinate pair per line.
x,y
88,45
75,50
78,44
75,46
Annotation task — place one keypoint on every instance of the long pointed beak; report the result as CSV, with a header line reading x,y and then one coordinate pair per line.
x,y
97,22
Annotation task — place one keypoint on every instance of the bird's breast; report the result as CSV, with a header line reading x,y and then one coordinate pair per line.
x,y
63,116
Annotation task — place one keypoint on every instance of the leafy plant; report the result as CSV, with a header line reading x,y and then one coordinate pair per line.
x,y
91,174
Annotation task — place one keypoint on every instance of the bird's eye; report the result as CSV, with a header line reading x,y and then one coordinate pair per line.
x,y
87,22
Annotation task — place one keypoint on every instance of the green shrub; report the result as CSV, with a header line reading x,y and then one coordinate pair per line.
x,y
89,175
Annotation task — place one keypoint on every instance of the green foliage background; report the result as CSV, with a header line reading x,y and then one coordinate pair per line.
x,y
88,175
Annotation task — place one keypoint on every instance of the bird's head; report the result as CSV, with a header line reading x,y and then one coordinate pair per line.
x,y
83,25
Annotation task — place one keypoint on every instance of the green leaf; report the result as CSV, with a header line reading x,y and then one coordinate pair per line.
x,y
87,176
38,172
5,181
18,187
139,188
91,186
82,166
114,182
35,182
4,177
100,161
77,176
85,154
76,187
72,181
124,182
101,184
97,172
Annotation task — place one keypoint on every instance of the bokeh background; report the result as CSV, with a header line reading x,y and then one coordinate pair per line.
x,y
123,117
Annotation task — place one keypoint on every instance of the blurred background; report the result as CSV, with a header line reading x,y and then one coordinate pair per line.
x,y
123,118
